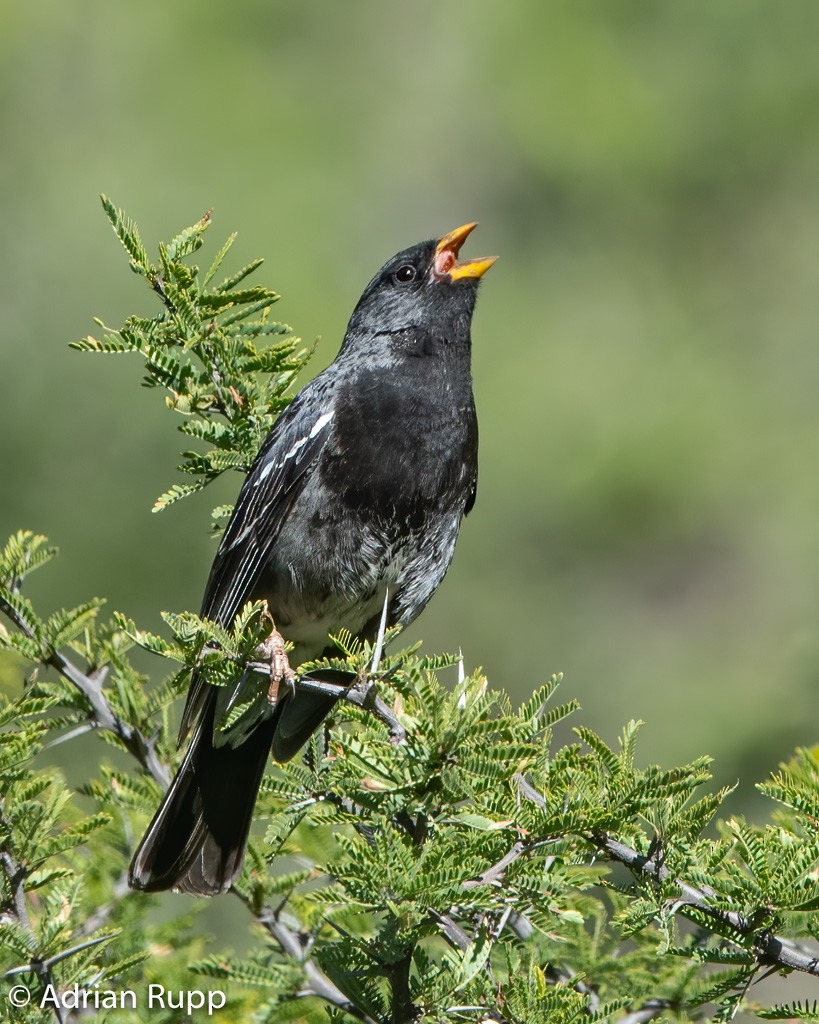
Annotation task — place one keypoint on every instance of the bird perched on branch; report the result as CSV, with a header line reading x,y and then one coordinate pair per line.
x,y
355,498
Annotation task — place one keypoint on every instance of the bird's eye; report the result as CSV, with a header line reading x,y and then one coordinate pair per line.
x,y
405,273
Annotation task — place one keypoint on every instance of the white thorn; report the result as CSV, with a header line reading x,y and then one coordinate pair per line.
x,y
461,677
379,641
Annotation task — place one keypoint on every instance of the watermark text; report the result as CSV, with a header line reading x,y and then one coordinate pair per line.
x,y
93,997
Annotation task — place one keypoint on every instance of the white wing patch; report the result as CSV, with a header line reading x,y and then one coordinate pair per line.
x,y
321,423
275,468
318,426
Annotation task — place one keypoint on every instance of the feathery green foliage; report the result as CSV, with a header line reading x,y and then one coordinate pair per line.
x,y
204,350
475,871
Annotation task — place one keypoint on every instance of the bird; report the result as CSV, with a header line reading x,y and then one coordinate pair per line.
x,y
353,504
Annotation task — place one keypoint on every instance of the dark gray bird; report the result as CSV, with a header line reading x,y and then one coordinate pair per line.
x,y
355,497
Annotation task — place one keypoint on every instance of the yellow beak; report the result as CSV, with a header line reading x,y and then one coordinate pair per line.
x,y
446,256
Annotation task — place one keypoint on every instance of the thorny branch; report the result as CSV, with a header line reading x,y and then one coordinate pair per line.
x,y
297,947
103,716
770,949
650,1010
362,692
15,876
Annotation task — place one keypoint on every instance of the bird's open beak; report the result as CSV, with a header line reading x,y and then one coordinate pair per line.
x,y
446,261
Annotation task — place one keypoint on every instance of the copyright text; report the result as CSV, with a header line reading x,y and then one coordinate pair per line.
x,y
157,997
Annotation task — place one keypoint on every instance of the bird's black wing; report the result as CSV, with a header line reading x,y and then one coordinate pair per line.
x,y
471,456
275,480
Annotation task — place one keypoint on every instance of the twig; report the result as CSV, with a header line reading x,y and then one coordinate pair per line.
x,y
769,948
102,714
651,1009
98,918
404,1010
15,874
494,875
451,931
297,947
64,954
361,691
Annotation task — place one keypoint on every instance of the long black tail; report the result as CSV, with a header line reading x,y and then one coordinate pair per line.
x,y
196,840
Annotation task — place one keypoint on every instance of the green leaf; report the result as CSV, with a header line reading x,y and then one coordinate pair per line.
x,y
64,626
176,493
230,282
188,240
23,553
128,233
790,1011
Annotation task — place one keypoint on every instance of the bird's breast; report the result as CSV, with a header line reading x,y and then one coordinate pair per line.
x,y
403,446
379,512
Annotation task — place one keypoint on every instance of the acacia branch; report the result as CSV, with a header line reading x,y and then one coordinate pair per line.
x,y
650,1010
360,691
103,716
451,930
100,713
297,947
770,949
404,1010
494,874
15,876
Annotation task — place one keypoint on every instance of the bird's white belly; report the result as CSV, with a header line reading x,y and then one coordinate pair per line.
x,y
357,581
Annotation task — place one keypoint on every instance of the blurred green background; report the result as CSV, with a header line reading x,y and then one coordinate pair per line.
x,y
645,352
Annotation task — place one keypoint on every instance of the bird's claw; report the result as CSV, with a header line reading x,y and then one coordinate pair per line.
x,y
273,651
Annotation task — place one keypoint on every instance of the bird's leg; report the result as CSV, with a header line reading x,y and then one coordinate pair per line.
x,y
272,651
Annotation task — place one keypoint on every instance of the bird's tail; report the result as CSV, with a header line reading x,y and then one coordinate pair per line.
x,y
301,714
197,838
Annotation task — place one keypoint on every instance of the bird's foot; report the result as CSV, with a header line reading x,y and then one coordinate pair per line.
x,y
273,652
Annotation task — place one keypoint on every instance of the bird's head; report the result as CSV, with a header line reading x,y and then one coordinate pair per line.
x,y
426,288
